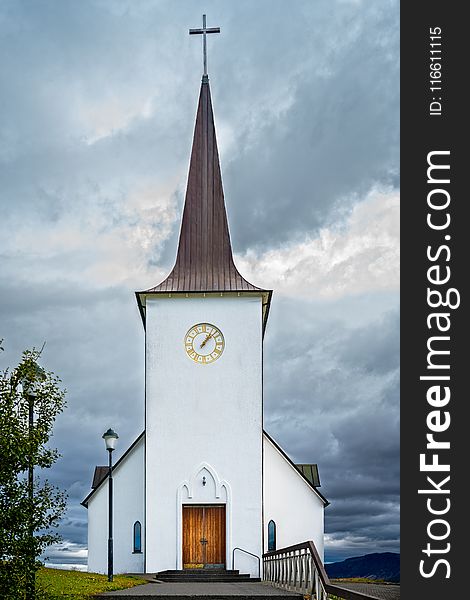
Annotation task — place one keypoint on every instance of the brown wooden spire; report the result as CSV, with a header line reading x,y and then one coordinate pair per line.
x,y
204,262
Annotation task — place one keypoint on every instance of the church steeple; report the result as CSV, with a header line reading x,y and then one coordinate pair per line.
x,y
204,261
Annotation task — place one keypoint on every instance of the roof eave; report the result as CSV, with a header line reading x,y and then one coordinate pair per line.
x,y
141,307
265,294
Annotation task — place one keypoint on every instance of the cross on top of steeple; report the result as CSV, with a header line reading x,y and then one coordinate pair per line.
x,y
205,30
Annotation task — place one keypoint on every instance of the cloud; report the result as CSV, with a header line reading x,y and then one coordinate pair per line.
x,y
331,397
66,555
327,129
353,257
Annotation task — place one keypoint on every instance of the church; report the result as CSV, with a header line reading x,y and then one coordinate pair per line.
x,y
204,485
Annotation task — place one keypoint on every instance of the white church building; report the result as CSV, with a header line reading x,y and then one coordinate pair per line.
x,y
204,477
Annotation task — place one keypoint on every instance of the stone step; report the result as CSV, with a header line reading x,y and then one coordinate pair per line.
x,y
200,575
204,576
206,579
197,575
199,571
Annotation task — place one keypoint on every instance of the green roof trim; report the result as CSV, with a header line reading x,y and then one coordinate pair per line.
x,y
310,472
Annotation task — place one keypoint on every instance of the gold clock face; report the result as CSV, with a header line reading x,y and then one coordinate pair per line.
x,y
204,343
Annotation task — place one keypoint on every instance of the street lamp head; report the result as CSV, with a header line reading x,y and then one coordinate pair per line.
x,y
30,382
110,438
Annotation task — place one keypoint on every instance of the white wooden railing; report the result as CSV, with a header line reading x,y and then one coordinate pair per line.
x,y
299,569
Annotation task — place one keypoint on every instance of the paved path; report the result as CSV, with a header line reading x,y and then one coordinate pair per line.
x,y
384,591
195,590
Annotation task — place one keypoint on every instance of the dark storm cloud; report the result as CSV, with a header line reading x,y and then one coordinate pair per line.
x,y
337,136
100,363
332,398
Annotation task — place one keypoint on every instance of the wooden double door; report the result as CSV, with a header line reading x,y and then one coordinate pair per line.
x,y
203,536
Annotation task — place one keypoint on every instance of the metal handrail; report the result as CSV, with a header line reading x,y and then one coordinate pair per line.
x,y
289,568
251,554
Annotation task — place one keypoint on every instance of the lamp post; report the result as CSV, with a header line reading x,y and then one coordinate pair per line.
x,y
110,438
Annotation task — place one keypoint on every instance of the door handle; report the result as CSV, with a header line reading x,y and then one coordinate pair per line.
x,y
203,541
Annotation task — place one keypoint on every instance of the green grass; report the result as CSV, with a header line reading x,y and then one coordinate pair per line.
x,y
80,586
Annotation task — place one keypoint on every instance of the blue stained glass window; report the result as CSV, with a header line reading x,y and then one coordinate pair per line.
x,y
137,537
271,536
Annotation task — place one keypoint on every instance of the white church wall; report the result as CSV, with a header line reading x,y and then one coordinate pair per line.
x,y
98,530
203,414
128,507
290,502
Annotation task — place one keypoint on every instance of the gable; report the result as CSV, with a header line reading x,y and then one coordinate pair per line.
x,y
298,471
101,473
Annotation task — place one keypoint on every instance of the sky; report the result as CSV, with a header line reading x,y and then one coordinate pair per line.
x,y
98,102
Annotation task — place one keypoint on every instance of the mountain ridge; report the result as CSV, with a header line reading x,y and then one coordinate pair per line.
x,y
378,565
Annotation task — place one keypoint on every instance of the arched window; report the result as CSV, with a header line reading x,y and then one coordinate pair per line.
x,y
271,536
137,537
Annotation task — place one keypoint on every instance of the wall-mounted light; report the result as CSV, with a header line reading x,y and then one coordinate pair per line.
x,y
203,481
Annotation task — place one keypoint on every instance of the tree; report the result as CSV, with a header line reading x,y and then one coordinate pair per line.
x,y
30,507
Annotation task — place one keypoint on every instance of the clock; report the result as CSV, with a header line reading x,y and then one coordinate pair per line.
x,y
204,343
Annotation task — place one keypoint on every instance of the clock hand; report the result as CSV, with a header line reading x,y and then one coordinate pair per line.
x,y
209,335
